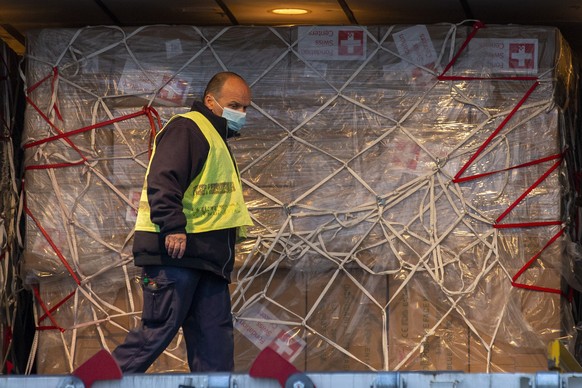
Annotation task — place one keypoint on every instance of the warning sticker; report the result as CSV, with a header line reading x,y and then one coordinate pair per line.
x,y
266,333
173,48
135,81
505,55
175,90
332,43
414,44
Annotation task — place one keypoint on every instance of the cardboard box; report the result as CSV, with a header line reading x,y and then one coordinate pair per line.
x,y
509,345
268,309
426,333
347,321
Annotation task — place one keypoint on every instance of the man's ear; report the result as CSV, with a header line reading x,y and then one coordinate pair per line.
x,y
209,102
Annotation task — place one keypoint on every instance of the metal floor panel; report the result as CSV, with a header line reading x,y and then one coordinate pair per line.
x,y
321,380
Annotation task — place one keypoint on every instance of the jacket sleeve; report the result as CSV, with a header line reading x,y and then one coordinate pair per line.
x,y
181,150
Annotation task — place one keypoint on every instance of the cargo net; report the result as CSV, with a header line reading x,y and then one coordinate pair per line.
x,y
405,184
9,197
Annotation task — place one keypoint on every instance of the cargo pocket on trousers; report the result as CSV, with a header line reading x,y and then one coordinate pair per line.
x,y
157,302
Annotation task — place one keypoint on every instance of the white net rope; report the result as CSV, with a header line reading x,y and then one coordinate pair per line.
x,y
348,169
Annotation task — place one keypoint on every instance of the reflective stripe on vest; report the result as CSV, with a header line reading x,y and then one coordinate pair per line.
x,y
214,199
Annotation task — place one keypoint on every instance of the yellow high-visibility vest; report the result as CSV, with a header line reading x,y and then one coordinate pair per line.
x,y
214,200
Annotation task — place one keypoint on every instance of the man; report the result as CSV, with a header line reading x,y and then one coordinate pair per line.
x,y
190,214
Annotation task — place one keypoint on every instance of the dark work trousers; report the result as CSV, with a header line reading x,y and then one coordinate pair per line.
x,y
174,297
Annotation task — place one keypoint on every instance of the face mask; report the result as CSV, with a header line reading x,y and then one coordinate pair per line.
x,y
234,118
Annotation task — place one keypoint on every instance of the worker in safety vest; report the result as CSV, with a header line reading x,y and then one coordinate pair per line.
x,y
190,214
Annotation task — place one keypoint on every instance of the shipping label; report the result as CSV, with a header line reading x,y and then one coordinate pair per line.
x,y
414,44
174,88
504,55
264,332
332,43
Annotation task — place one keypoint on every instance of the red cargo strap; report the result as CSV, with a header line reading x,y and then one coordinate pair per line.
x,y
527,164
148,111
52,244
558,160
514,282
478,25
155,122
496,132
48,312
151,113
526,192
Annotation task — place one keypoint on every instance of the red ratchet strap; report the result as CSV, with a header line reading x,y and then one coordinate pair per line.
x,y
514,282
556,158
52,244
53,77
525,193
67,266
153,118
35,287
532,163
47,236
476,27
48,312
495,133
149,112
41,113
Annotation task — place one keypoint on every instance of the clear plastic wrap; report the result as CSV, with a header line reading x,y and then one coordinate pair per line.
x,y
369,250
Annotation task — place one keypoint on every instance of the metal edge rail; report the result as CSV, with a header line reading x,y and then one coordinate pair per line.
x,y
321,380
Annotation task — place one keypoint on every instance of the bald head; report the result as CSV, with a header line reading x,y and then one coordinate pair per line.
x,y
227,90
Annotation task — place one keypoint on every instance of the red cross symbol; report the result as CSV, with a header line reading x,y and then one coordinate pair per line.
x,y
521,55
286,345
351,42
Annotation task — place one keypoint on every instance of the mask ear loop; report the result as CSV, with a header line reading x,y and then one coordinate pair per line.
x,y
217,102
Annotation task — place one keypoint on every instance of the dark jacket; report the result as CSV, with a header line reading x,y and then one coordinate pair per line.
x,y
181,151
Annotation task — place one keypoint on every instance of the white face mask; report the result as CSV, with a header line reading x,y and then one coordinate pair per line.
x,y
234,118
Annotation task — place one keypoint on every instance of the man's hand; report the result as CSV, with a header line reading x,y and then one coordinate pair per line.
x,y
176,245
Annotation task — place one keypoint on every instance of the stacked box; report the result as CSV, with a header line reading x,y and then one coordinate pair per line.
x,y
369,250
